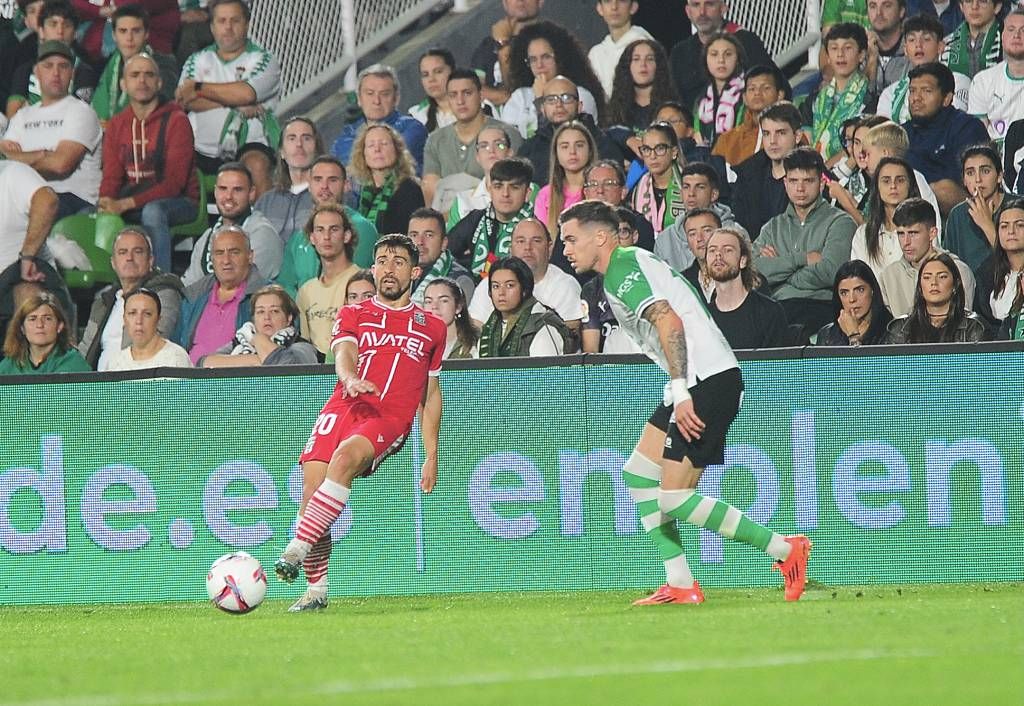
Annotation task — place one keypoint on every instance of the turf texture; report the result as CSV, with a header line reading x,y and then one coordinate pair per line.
x,y
905,645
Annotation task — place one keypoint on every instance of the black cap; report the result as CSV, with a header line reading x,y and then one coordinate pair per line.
x,y
53,46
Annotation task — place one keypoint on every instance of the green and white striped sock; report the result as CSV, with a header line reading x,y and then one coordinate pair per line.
x,y
643,479
723,519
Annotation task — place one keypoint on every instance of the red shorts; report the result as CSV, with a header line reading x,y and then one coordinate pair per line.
x,y
343,418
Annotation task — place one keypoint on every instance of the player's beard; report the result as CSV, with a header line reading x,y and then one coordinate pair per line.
x,y
395,294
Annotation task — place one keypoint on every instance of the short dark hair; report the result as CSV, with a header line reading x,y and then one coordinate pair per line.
x,y
330,159
58,8
694,212
591,212
678,107
235,167
943,76
924,22
782,112
397,241
779,78
848,30
433,213
985,150
146,293
914,210
803,158
459,74
520,269
702,169
214,4
136,11
514,169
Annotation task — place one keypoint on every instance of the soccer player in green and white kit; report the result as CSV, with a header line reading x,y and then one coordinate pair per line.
x,y
661,311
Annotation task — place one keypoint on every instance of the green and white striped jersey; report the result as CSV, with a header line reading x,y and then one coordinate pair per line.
x,y
636,279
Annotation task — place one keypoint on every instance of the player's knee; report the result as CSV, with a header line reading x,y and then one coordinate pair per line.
x,y
639,465
669,500
347,463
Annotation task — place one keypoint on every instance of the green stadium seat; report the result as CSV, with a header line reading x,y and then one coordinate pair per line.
x,y
201,222
95,234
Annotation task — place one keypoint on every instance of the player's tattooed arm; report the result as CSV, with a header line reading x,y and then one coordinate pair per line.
x,y
672,336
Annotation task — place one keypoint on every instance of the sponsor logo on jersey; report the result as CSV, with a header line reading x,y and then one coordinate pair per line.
x,y
627,284
411,346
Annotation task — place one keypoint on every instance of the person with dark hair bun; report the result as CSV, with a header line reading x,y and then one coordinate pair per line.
x,y
148,349
861,315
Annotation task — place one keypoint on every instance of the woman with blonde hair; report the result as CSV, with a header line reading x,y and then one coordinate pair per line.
x,y
39,340
389,190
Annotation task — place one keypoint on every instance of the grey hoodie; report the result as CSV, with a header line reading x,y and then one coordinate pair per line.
x,y
671,244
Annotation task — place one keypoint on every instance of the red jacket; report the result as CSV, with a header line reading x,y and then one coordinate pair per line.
x,y
129,156
164,20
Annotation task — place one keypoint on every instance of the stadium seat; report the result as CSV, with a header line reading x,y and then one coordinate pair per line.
x,y
201,222
95,234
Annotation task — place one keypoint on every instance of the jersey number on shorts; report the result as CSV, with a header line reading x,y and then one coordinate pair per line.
x,y
323,426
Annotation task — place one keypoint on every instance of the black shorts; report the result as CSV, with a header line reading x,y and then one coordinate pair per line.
x,y
717,402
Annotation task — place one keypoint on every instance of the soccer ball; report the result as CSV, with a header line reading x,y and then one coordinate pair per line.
x,y
236,583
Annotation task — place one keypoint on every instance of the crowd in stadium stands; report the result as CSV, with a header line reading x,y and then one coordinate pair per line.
x,y
878,201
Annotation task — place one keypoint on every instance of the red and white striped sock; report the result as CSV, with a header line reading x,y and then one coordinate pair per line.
x,y
321,511
316,562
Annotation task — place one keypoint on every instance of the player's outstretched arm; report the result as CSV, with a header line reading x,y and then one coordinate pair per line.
x,y
672,338
346,365
430,428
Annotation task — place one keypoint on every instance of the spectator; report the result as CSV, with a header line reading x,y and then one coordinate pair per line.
x,y
130,26
149,173
360,287
708,17
388,189
999,276
658,194
747,318
195,29
559,103
886,61
107,331
492,145
165,18
540,52
722,101
436,65
288,204
444,298
1012,328
428,234
861,318
938,132
60,136
147,347
327,178
218,304
605,181
763,86
922,44
270,338
573,150
850,190
760,192
800,250
875,241
234,196
28,213
1013,155
57,22
331,234
491,58
971,228
230,89
642,83
27,37
700,190
890,140
997,93
975,44
938,314
946,11
916,229
40,340
604,57
698,225
600,330
378,94
451,150
843,96
519,325
531,243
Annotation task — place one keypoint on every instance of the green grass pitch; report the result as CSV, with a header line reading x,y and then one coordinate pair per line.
x,y
898,645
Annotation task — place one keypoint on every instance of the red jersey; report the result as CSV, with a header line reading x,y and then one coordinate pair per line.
x,y
398,350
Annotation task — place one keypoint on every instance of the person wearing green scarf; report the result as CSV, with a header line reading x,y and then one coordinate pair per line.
x,y
131,36
427,230
976,43
843,96
384,168
519,325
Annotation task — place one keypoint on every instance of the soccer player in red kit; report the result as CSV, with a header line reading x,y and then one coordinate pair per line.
x,y
388,354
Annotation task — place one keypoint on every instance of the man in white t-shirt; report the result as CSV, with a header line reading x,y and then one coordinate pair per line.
x,y
552,287
60,136
997,94
230,89
618,15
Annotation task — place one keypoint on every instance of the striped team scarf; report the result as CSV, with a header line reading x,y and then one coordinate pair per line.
x,y
832,108
957,54
672,207
502,236
373,202
441,267
723,115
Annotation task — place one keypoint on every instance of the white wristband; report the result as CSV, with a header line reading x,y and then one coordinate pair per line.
x,y
680,392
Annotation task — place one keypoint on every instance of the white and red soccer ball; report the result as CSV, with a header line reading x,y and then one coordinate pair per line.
x,y
236,583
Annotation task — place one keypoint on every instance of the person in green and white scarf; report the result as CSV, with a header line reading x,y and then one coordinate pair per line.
x,y
427,230
519,325
976,44
843,96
